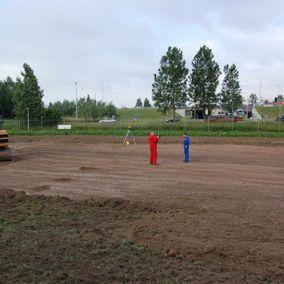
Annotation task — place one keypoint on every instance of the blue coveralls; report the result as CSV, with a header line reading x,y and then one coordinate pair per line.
x,y
186,144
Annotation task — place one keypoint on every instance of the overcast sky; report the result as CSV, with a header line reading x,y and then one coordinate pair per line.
x,y
112,48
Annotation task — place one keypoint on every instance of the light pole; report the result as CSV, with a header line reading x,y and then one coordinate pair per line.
x,y
28,118
76,100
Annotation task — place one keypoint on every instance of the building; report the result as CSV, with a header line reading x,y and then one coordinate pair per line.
x,y
191,112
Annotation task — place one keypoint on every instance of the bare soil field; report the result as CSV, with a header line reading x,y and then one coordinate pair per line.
x,y
218,219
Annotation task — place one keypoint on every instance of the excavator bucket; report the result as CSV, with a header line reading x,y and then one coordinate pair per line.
x,y
5,152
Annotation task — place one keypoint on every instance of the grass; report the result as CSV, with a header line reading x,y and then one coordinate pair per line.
x,y
140,113
142,127
149,119
270,112
137,132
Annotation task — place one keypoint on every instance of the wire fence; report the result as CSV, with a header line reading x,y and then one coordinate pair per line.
x,y
157,125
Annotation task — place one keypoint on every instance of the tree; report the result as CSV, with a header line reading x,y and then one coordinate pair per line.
x,y
53,114
147,103
90,108
230,96
110,110
170,89
6,102
85,107
204,79
138,103
68,108
253,98
28,95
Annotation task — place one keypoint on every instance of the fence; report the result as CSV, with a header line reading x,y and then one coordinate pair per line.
x,y
159,125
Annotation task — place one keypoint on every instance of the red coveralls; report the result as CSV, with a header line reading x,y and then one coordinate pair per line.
x,y
153,140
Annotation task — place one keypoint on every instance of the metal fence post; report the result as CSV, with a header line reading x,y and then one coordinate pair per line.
x,y
28,118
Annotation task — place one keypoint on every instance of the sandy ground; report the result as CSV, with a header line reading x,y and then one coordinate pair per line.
x,y
64,166
225,208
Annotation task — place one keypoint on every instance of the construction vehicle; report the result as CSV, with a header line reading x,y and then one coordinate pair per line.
x,y
5,152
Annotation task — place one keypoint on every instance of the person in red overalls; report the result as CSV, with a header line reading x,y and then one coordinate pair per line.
x,y
153,140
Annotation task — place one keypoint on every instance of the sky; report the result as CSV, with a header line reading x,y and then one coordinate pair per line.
x,y
112,48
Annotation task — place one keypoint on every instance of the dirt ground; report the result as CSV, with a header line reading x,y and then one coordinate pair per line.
x,y
220,218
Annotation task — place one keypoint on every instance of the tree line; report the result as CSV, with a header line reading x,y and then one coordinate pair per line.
x,y
140,104
174,86
24,95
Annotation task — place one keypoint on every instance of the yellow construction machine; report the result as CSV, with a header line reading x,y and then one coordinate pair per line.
x,y
5,152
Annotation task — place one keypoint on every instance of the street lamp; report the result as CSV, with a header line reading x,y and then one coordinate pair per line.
x,y
76,100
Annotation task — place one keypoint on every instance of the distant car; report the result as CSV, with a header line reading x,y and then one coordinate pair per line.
x,y
280,118
171,120
231,115
108,120
240,113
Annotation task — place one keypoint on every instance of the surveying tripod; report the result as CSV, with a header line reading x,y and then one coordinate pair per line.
x,y
129,134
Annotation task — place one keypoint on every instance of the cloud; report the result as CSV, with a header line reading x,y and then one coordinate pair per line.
x,y
112,48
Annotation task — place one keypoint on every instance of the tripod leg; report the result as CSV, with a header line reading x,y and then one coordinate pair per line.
x,y
133,138
125,138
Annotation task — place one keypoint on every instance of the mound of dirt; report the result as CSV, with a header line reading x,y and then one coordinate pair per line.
x,y
58,240
87,169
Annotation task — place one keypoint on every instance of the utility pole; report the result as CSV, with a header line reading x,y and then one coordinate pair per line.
x,y
76,100
260,87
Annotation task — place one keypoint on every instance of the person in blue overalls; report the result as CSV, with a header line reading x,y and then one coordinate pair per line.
x,y
186,144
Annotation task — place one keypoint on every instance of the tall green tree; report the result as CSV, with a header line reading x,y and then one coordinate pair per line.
x,y
28,94
146,103
89,108
170,88
85,107
230,96
68,108
110,110
204,79
6,102
138,103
